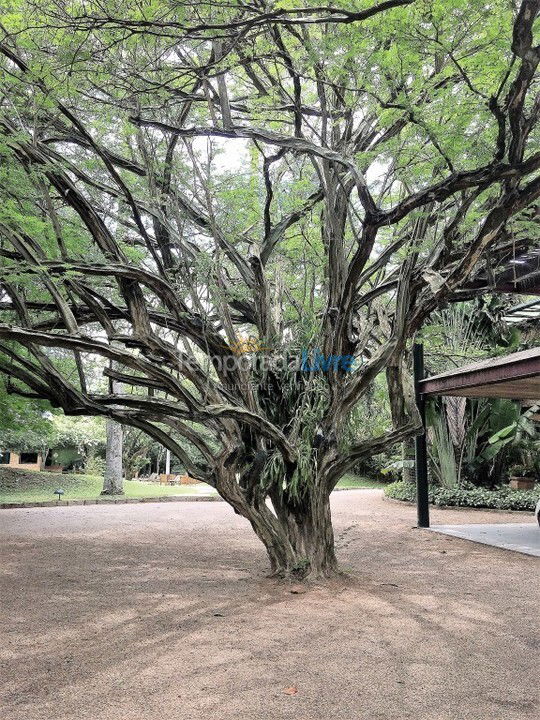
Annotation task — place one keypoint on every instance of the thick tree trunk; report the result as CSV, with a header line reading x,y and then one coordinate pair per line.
x,y
318,535
112,482
399,387
296,531
408,459
299,540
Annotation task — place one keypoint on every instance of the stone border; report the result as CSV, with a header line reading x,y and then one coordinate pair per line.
x,y
126,501
112,501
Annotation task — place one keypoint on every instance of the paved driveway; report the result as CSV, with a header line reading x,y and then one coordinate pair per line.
x,y
163,612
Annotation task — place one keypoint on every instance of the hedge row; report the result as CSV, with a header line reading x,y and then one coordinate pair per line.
x,y
502,499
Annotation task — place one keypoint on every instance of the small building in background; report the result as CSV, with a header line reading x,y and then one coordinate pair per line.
x,y
22,460
61,459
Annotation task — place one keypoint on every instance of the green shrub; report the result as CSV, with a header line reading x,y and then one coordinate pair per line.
x,y
502,498
94,465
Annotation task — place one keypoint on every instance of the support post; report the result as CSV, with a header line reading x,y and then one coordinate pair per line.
x,y
421,464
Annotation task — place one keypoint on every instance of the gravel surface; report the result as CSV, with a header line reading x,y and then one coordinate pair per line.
x,y
163,612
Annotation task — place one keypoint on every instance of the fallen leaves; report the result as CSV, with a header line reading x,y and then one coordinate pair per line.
x,y
290,690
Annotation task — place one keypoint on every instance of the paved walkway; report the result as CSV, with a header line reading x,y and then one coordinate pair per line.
x,y
520,537
163,612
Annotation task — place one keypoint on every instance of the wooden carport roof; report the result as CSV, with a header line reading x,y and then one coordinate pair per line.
x,y
515,376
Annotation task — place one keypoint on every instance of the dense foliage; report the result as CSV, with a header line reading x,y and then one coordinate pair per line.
x,y
502,498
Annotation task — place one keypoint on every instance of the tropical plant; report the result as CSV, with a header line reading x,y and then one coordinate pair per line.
x,y
445,455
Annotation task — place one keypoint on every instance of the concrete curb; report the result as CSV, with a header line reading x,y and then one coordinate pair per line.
x,y
112,501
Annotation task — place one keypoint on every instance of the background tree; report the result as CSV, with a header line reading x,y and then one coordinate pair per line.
x,y
25,425
387,154
84,436
139,451
113,478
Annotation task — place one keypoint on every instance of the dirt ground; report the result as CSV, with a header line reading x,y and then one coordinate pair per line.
x,y
163,612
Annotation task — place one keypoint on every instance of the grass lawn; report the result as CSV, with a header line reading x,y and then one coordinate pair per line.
x,y
357,481
26,486
18,486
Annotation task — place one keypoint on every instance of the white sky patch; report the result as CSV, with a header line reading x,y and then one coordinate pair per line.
x,y
233,155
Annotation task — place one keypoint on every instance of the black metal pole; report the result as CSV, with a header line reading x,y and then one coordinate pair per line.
x,y
421,465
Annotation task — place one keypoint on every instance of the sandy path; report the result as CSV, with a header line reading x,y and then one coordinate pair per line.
x,y
162,612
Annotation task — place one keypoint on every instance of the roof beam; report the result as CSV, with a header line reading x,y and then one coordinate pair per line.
x,y
515,376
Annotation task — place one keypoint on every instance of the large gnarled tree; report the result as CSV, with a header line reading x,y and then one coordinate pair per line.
x,y
180,178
